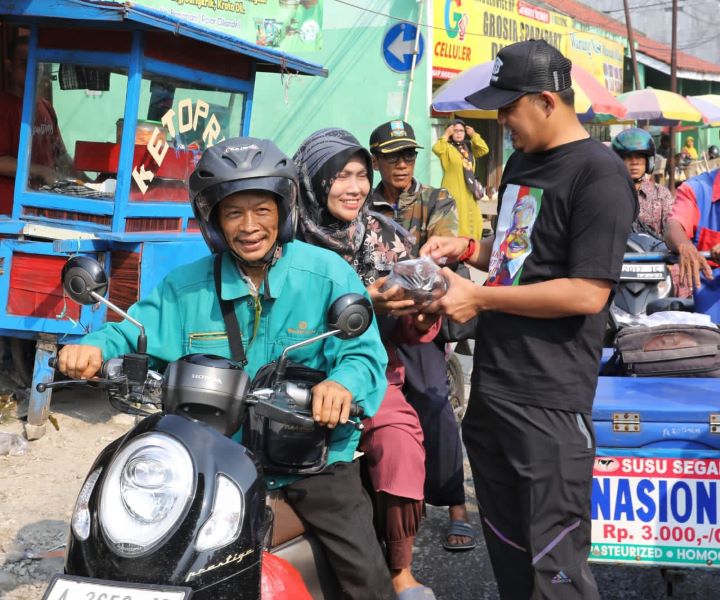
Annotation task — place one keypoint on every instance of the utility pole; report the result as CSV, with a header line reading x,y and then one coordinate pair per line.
x,y
416,50
631,41
673,88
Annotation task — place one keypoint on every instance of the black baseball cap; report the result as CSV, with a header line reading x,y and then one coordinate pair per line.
x,y
392,136
526,67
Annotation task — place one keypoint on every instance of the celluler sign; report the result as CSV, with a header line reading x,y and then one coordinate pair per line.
x,y
470,32
660,511
288,25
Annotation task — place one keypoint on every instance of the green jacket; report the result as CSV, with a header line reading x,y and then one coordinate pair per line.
x,y
182,316
422,210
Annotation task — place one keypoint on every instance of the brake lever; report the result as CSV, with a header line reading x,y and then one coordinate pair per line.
x,y
41,387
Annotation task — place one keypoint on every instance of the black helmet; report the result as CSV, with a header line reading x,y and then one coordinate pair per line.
x,y
636,141
713,152
236,165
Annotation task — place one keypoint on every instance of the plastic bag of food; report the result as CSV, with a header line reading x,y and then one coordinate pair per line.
x,y
280,580
420,278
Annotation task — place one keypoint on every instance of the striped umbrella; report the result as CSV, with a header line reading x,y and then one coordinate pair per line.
x,y
592,99
709,106
659,107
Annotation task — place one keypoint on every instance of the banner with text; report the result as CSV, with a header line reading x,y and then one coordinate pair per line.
x,y
470,32
601,57
656,511
287,25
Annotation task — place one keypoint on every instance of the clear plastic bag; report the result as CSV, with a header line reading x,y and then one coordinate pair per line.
x,y
12,443
420,278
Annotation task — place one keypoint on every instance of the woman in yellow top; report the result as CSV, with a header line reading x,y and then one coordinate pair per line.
x,y
457,149
690,149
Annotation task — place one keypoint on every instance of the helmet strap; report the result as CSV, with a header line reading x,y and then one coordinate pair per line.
x,y
268,260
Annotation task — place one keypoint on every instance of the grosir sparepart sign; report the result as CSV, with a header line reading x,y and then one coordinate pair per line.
x,y
660,511
470,32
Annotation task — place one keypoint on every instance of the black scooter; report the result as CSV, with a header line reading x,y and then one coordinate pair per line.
x,y
645,284
175,509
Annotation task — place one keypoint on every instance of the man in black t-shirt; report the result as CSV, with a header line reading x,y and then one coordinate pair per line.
x,y
565,210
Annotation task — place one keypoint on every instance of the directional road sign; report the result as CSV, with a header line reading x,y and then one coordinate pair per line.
x,y
398,45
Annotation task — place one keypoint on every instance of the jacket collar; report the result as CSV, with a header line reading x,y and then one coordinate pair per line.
x,y
404,199
234,285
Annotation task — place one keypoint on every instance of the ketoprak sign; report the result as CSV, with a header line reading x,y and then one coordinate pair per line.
x,y
660,511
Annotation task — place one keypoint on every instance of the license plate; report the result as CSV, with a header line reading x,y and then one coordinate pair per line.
x,y
643,272
656,511
67,587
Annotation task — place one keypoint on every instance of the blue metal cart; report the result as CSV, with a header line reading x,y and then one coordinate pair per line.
x,y
656,487
133,96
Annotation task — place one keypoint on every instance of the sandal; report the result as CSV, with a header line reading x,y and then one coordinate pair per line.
x,y
419,592
461,529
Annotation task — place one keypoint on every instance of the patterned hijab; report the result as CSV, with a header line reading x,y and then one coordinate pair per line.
x,y
371,243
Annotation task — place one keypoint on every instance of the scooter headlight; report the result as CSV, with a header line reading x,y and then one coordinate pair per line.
x,y
223,525
146,491
81,515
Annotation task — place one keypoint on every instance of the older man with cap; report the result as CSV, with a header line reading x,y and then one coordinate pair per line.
x,y
565,210
425,211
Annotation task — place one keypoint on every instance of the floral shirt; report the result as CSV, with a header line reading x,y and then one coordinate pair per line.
x,y
655,204
383,246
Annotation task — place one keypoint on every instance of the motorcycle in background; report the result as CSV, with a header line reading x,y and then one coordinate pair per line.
x,y
645,285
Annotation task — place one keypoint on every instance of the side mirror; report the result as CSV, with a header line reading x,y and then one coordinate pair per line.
x,y
84,279
86,282
350,315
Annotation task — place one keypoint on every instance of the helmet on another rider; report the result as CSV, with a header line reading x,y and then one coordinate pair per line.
x,y
635,141
243,164
713,152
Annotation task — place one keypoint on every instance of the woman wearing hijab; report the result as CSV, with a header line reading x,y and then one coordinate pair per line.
x,y
457,150
335,180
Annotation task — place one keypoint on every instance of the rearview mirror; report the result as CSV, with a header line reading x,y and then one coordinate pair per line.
x,y
86,282
348,317
351,315
84,279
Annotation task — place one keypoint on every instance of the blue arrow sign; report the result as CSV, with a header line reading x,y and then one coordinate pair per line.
x,y
398,45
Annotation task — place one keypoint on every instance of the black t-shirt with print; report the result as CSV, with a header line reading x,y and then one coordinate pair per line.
x,y
565,212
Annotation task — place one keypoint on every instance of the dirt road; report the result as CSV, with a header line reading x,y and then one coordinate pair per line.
x,y
38,489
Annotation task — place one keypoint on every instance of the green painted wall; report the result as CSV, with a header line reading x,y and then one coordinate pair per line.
x,y
360,92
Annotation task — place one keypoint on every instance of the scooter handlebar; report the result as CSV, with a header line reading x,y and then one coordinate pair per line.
x,y
303,397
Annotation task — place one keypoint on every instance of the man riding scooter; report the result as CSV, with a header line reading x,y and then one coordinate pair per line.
x,y
244,193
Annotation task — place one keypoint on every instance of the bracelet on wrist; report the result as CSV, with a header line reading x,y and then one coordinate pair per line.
x,y
469,251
